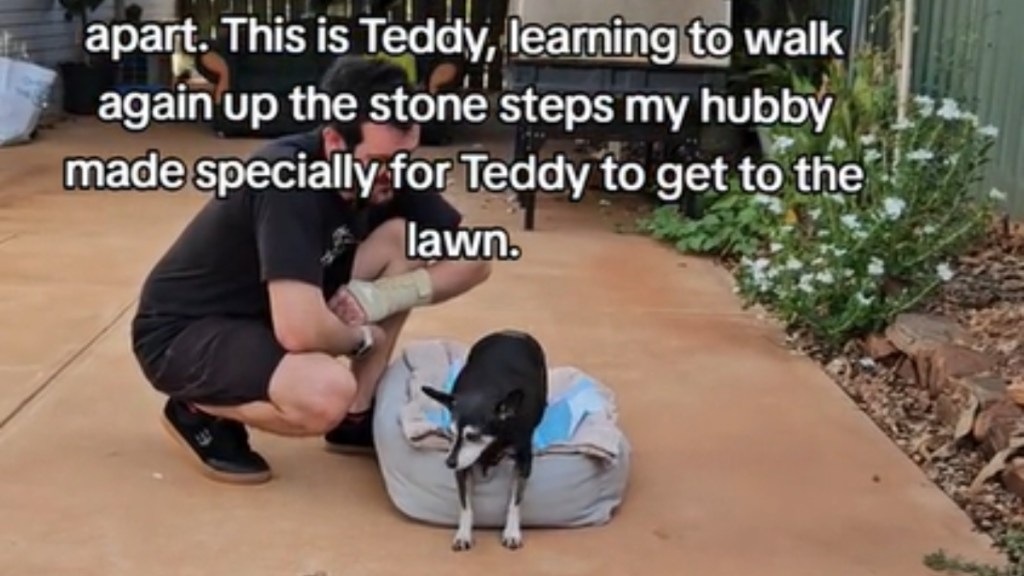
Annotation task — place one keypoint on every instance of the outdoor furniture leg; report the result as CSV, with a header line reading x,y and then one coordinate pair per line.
x,y
686,150
527,142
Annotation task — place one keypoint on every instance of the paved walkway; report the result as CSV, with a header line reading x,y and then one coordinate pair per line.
x,y
748,459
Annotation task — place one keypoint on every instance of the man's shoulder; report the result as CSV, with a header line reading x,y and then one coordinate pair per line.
x,y
288,147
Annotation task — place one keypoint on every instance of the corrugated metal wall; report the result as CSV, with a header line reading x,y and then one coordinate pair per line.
x,y
970,50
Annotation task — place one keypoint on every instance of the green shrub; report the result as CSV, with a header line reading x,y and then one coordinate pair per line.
x,y
851,262
733,225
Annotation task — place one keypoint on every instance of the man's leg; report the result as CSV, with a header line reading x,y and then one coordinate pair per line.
x,y
223,374
381,255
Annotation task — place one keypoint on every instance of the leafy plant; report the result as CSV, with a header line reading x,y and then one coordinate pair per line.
x,y
1012,542
733,225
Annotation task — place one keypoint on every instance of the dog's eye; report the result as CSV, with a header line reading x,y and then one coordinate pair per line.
x,y
473,436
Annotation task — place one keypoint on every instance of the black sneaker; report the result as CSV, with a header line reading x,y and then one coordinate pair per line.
x,y
219,447
353,435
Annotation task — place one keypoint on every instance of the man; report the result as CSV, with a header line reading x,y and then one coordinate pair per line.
x,y
242,320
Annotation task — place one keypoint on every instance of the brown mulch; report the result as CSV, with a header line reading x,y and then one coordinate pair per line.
x,y
986,298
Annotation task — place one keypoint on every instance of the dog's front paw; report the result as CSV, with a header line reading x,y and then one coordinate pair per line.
x,y
462,542
512,539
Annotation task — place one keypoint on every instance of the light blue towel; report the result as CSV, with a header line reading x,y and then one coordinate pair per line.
x,y
561,419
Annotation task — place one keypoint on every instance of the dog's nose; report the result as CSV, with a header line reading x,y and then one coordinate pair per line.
x,y
451,461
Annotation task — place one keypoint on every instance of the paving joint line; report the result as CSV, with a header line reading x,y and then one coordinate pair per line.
x,y
57,372
8,238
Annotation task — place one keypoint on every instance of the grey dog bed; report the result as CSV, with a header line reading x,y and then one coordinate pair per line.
x,y
567,488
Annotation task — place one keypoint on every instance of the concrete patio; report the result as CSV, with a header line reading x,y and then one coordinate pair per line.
x,y
748,460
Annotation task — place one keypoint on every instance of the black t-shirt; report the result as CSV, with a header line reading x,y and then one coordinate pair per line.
x,y
221,262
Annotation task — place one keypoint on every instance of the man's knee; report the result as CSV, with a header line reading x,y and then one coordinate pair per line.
x,y
384,252
391,233
315,393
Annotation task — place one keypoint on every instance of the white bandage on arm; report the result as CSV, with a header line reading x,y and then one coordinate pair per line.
x,y
390,295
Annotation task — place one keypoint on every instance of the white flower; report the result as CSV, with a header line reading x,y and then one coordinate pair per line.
x,y
794,264
760,264
831,249
806,284
903,125
814,213
928,229
989,131
825,277
921,155
783,143
860,234
949,110
893,207
760,273
872,155
925,105
836,143
837,198
775,248
787,229
972,118
876,267
773,204
847,273
864,300
997,195
952,160
850,221
868,140
944,272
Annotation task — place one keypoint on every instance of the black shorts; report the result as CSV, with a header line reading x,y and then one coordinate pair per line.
x,y
216,361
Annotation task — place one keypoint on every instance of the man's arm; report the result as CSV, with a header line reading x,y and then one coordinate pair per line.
x,y
287,226
303,323
372,301
450,278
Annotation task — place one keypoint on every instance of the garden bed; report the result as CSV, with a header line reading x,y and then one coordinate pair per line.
x,y
985,305
903,290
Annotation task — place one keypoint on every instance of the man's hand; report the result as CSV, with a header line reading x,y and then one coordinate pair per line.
x,y
345,307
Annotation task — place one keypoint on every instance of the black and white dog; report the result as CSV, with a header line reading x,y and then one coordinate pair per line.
x,y
496,403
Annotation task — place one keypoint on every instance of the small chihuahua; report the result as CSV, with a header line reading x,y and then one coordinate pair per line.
x,y
496,404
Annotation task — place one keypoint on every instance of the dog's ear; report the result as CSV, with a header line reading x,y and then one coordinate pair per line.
x,y
509,406
443,398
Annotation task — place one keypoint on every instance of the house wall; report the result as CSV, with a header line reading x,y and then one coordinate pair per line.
x,y
36,30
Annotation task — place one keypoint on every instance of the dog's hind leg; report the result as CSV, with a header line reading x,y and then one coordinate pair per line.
x,y
512,536
464,534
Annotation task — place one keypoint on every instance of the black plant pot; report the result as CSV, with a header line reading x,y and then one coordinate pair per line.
x,y
83,86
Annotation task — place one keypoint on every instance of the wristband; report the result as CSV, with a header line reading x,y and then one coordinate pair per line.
x,y
391,295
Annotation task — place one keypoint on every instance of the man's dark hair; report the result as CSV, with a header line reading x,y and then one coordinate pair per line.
x,y
362,77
